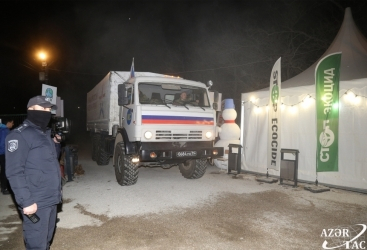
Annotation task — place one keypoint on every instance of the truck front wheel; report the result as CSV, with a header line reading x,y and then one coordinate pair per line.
x,y
125,170
193,169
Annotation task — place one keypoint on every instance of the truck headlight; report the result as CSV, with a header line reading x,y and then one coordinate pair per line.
x,y
148,135
208,134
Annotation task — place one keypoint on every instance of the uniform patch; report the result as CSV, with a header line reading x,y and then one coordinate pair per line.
x,y
12,145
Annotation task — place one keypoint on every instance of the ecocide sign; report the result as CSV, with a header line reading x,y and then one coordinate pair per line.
x,y
327,112
274,118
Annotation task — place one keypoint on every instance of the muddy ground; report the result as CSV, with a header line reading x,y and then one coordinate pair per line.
x,y
165,211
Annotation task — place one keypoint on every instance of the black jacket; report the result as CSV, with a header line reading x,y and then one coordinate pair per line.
x,y
32,167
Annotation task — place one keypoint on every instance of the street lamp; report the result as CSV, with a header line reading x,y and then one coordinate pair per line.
x,y
44,74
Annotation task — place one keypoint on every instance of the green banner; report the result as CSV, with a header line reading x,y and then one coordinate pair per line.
x,y
327,112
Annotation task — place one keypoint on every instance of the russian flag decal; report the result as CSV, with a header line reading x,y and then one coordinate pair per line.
x,y
161,119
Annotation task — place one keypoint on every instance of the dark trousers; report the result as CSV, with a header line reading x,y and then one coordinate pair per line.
x,y
38,236
4,181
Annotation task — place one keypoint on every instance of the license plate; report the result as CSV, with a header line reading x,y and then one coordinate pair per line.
x,y
186,153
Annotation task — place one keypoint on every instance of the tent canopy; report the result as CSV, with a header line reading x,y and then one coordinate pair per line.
x,y
353,46
298,128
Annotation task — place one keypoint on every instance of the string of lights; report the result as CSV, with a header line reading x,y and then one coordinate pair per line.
x,y
348,95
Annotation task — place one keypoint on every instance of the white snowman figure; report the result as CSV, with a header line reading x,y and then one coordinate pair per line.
x,y
229,132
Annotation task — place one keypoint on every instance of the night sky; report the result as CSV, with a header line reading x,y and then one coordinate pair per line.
x,y
232,43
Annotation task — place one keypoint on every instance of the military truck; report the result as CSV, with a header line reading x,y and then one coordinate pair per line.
x,y
140,121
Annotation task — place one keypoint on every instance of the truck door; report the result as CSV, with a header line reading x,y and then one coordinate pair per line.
x,y
128,109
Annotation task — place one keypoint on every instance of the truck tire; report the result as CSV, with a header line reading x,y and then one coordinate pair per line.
x,y
125,170
103,157
95,141
193,169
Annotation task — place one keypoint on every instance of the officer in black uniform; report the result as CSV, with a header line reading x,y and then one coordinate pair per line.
x,y
33,171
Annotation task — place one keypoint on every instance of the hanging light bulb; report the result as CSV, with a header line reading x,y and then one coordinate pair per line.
x,y
307,101
351,96
356,100
345,97
293,109
257,110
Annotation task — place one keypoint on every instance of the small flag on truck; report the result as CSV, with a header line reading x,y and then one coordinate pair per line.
x,y
132,71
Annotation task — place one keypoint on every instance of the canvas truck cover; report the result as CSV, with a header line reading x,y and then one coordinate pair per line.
x,y
102,101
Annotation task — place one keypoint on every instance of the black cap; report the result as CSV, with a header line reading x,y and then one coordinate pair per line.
x,y
41,101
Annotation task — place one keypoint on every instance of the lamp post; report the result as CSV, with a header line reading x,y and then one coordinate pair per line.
x,y
43,76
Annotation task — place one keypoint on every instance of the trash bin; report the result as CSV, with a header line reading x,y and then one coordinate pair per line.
x,y
289,167
234,158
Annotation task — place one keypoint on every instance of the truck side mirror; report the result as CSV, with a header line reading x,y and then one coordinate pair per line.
x,y
216,94
122,95
215,101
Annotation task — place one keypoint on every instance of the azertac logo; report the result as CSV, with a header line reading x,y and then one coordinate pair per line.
x,y
345,237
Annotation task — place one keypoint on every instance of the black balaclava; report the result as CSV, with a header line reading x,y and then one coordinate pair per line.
x,y
39,118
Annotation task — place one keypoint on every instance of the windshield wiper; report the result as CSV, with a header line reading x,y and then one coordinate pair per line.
x,y
197,105
179,104
201,107
166,105
183,104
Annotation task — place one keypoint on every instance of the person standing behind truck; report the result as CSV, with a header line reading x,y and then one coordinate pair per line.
x,y
4,131
34,174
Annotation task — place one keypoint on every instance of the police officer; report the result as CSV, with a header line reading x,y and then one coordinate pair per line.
x,y
33,171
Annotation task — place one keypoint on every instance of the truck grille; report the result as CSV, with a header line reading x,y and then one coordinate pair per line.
x,y
169,135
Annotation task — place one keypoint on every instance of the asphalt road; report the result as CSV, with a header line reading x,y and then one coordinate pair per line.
x,y
166,211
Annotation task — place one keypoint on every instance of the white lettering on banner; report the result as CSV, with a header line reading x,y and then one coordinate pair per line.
x,y
330,72
328,90
326,139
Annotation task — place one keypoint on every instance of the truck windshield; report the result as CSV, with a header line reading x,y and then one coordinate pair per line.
x,y
180,95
